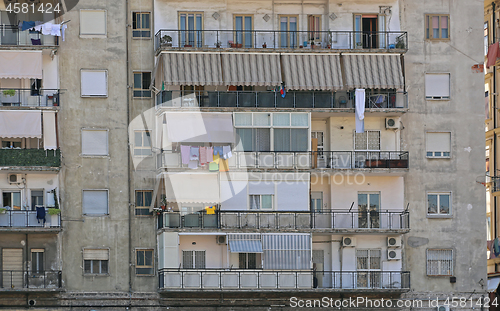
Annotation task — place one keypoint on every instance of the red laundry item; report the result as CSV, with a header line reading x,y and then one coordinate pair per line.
x,y
492,55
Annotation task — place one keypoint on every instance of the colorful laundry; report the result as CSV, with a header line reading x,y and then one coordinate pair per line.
x,y
218,150
210,154
226,152
203,155
194,155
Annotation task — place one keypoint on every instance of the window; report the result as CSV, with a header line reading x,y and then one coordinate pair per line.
x,y
11,143
36,86
95,261
290,139
142,80
93,22
37,261
369,209
288,31
243,24
314,27
257,139
142,143
143,202
486,41
141,26
438,145
317,201
437,27
144,262
487,105
368,140
437,86
36,199
368,265
95,202
94,83
193,259
261,201
247,260
439,262
12,200
439,203
94,142
190,26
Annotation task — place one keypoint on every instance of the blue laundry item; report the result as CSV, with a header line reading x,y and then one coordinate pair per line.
x,y
40,214
28,25
218,150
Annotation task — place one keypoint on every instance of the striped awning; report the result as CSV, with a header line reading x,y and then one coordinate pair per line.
x,y
312,71
261,69
190,68
245,243
371,71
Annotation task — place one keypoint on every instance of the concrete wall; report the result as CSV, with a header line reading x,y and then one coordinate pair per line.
x,y
48,242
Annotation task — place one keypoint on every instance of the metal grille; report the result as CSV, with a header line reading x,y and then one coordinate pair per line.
x,y
369,140
439,262
187,259
199,259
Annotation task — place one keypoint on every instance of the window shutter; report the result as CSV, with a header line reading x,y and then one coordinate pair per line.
x,y
96,254
437,85
94,83
94,142
95,202
440,142
92,22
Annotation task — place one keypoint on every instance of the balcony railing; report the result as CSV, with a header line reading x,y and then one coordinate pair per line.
x,y
218,279
18,280
29,98
324,220
271,99
301,160
28,219
276,39
11,35
30,157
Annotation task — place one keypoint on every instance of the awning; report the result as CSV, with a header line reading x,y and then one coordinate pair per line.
x,y
251,69
245,243
20,64
49,130
192,188
199,127
20,124
190,69
493,283
370,71
312,71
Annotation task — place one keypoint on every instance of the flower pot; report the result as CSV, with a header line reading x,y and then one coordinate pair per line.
x,y
239,45
54,220
233,45
188,46
264,46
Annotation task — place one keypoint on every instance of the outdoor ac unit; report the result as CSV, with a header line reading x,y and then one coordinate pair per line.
x,y
221,239
393,254
392,123
443,308
348,241
15,178
393,241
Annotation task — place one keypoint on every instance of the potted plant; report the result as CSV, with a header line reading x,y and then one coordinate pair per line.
x,y
359,45
264,45
400,43
166,40
218,44
54,211
3,210
9,92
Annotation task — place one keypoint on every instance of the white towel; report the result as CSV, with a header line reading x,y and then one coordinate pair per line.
x,y
47,29
56,30
360,110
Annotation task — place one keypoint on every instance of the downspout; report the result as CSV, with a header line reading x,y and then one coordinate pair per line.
x,y
494,122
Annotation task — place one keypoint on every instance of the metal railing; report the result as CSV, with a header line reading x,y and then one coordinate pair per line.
x,y
12,35
253,279
327,219
23,219
272,99
300,160
30,157
277,39
29,98
18,279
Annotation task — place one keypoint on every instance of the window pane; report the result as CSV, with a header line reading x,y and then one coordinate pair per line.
x,y
281,119
146,139
444,204
199,259
444,27
148,197
373,140
242,260
243,119
362,201
299,140
261,119
300,119
148,258
360,141
254,201
140,258
87,266
245,139
139,201
432,204
252,261
435,27
262,140
137,80
104,266
96,266
238,23
267,201
282,140
145,21
138,138
146,80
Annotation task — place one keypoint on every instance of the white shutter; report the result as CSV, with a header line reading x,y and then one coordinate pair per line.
x,y
92,22
96,254
94,83
440,142
94,142
169,248
437,85
95,202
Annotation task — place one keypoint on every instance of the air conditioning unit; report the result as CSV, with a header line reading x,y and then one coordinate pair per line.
x,y
393,241
348,241
392,123
15,178
393,254
443,308
221,239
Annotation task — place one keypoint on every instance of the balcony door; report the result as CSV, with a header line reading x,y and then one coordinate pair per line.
x,y
190,29
368,266
243,26
12,266
369,210
366,27
12,199
193,259
288,31
316,201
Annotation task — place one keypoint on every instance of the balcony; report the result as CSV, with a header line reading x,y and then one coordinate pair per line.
x,y
13,280
376,100
396,41
303,160
28,219
11,35
282,280
324,221
30,157
29,98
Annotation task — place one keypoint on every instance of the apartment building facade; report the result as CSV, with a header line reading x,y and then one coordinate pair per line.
x,y
217,154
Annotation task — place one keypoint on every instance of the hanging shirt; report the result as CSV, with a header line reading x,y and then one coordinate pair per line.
x,y
226,152
63,30
195,154
203,155
47,29
185,152
210,154
56,30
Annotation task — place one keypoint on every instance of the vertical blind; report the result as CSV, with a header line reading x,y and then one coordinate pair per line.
x,y
287,251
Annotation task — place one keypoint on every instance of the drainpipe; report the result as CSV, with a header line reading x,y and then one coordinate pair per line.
x,y
494,123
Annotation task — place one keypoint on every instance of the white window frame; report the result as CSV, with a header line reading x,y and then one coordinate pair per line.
x,y
94,155
96,215
440,262
439,214
90,95
437,97
143,147
260,202
94,35
194,258
434,153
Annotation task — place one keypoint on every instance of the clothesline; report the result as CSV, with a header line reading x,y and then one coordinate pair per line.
x,y
215,157
52,29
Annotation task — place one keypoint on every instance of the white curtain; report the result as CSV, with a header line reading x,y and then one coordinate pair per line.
x,y
360,110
